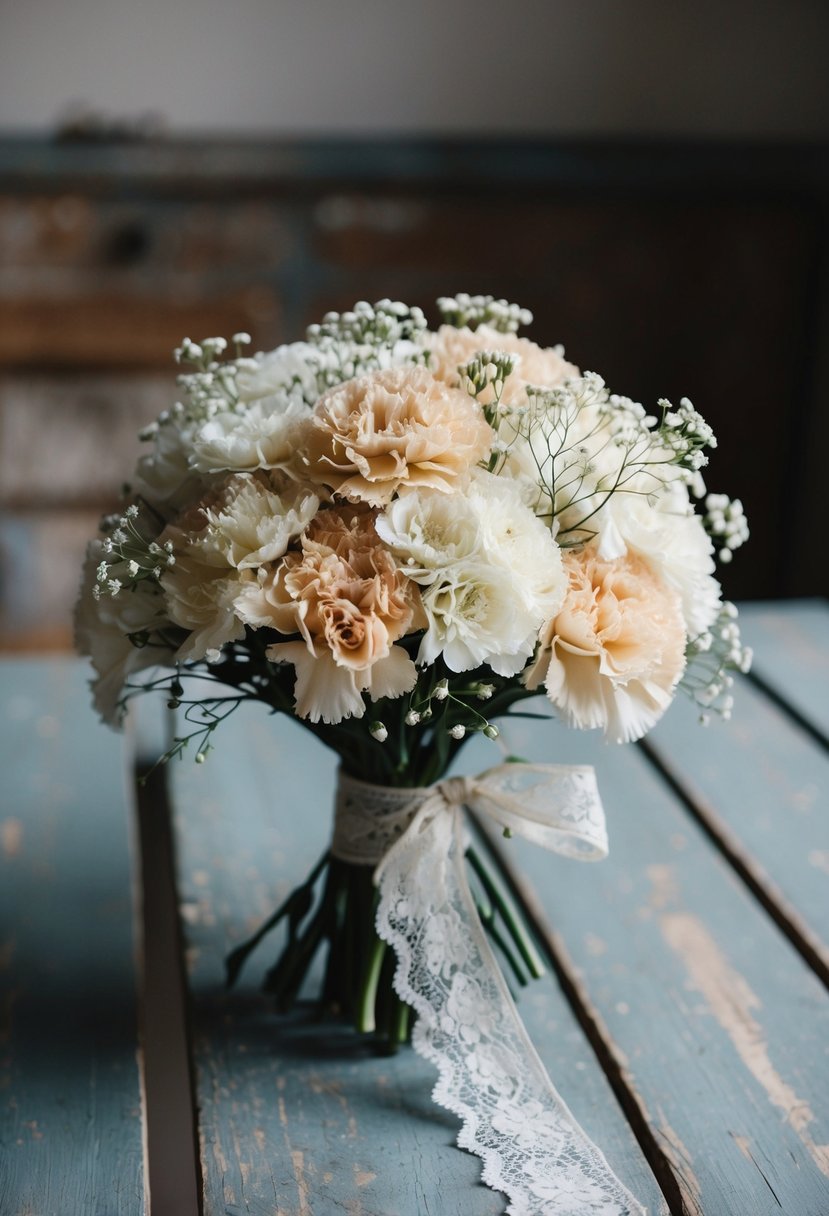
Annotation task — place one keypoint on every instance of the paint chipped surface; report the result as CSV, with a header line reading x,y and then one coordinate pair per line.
x,y
682,1164
819,859
363,1177
743,1145
733,1003
664,889
298,1164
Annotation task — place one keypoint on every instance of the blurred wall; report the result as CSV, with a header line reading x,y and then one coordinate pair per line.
x,y
727,68
693,261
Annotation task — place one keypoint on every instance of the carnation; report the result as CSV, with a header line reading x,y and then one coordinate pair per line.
x,y
613,656
451,348
391,430
164,476
672,539
250,523
490,570
379,509
200,593
122,634
344,594
296,365
262,436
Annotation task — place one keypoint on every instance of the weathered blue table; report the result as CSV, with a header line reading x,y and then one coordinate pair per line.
x,y
685,1017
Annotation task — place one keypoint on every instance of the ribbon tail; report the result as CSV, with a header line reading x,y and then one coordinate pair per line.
x,y
490,1075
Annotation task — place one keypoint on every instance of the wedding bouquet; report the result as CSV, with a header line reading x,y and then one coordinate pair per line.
x,y
397,534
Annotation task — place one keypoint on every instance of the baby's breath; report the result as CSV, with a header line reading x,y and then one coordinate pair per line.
x,y
132,552
488,369
589,444
472,311
726,524
711,658
364,339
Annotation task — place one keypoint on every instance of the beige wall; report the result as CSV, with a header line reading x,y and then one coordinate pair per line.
x,y
668,67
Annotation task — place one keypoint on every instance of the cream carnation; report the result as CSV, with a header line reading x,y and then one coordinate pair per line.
x,y
391,429
346,597
613,655
251,524
201,586
545,367
673,541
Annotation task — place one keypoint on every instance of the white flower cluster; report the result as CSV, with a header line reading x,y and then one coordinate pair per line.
x,y
726,523
444,517
465,311
712,657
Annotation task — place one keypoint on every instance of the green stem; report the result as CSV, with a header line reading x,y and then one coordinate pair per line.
x,y
297,905
495,934
401,1022
365,1019
497,892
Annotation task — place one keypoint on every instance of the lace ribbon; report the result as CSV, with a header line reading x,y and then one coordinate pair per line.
x,y
490,1075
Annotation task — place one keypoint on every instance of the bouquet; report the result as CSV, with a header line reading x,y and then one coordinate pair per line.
x,y
398,534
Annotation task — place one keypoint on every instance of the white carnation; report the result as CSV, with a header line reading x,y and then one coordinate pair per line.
x,y
163,476
491,572
263,436
200,597
430,531
570,453
271,373
471,617
103,628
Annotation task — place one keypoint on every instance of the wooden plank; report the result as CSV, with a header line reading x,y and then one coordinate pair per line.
x,y
760,784
294,1116
718,1024
70,1103
791,654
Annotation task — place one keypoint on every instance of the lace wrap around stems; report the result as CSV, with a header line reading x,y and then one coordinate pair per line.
x,y
490,1075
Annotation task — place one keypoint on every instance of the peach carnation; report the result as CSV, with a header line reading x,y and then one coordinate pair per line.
x,y
395,428
613,655
347,598
542,366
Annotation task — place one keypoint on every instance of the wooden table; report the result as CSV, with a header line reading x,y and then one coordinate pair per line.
x,y
684,1019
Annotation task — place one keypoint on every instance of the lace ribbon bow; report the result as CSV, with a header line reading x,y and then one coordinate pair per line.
x,y
490,1075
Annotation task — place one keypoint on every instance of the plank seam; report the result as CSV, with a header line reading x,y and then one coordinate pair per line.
x,y
139,939
158,852
591,1024
755,878
797,716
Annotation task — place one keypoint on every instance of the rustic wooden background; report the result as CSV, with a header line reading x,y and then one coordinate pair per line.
x,y
697,269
